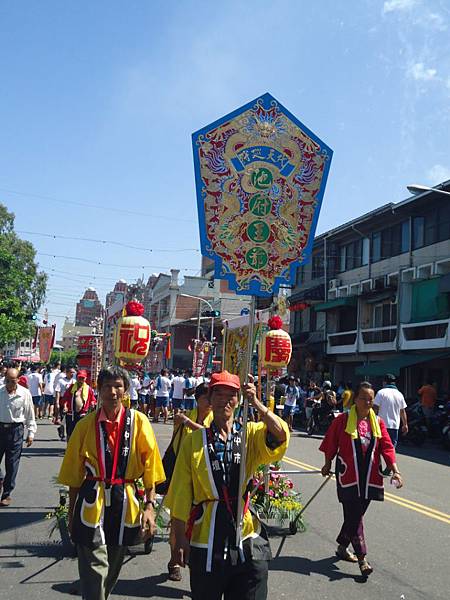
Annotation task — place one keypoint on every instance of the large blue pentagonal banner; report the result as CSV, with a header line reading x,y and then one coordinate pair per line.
x,y
260,178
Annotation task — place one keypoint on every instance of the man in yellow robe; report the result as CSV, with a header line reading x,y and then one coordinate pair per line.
x,y
203,497
107,452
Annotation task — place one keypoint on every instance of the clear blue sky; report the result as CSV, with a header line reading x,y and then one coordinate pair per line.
x,y
98,101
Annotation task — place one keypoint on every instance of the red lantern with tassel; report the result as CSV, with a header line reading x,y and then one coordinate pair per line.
x,y
277,345
132,334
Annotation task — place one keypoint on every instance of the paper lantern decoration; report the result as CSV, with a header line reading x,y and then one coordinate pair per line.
x,y
132,334
277,345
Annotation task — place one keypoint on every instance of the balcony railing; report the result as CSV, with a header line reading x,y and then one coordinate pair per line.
x,y
342,343
378,339
418,336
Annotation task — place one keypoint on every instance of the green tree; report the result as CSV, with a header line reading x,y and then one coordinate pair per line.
x,y
67,357
22,286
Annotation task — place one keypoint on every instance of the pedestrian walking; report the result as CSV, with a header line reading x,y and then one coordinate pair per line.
x,y
358,439
108,451
347,396
62,382
16,414
428,399
390,405
36,387
49,390
178,393
184,424
163,388
78,400
292,395
203,497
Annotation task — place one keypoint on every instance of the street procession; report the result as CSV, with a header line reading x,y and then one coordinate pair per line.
x,y
224,304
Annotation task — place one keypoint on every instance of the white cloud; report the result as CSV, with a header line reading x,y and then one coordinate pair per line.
x,y
419,72
396,5
437,21
438,174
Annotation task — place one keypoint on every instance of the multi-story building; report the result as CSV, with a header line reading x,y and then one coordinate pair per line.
x,y
375,297
173,309
25,350
88,308
119,292
70,334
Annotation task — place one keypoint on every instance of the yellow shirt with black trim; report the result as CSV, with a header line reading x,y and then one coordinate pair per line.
x,y
81,459
191,483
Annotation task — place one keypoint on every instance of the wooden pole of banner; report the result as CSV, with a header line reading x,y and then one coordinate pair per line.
x,y
224,343
244,402
267,467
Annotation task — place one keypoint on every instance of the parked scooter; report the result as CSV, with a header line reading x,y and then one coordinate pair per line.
x,y
321,418
417,428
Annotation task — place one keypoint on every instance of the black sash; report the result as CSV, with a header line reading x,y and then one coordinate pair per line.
x,y
226,478
114,534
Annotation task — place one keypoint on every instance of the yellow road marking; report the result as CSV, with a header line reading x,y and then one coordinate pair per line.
x,y
405,503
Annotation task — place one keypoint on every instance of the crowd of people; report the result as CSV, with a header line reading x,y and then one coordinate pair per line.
x,y
111,445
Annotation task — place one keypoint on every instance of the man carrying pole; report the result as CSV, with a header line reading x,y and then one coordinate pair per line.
x,y
213,469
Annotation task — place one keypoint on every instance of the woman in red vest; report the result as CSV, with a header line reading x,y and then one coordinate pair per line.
x,y
358,439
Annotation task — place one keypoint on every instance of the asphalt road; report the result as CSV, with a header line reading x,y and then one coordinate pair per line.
x,y
408,536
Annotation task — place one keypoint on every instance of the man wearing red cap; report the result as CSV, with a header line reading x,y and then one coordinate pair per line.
x,y
77,401
204,515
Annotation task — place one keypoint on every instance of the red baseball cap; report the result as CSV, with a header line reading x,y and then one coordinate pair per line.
x,y
226,379
82,373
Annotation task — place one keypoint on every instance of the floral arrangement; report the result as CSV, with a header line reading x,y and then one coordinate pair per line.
x,y
282,502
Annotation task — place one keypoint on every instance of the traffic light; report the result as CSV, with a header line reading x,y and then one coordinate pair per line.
x,y
211,313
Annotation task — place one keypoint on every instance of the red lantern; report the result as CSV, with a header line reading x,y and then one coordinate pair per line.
x,y
277,346
132,335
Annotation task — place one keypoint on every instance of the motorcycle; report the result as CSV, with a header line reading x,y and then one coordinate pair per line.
x,y
321,418
417,428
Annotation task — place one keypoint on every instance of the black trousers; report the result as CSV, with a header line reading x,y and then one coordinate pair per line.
x,y
71,421
246,581
11,441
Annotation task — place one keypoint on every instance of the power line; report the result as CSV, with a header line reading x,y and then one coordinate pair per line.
x,y
112,242
96,262
96,206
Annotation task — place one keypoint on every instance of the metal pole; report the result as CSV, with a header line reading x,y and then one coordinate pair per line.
x,y
212,328
198,320
242,466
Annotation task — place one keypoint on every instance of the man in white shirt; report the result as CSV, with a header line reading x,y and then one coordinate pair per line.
x,y
135,386
49,390
190,383
36,387
390,405
16,412
62,381
178,392
163,387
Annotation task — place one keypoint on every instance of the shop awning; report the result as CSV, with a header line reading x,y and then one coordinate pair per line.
x,y
394,365
350,301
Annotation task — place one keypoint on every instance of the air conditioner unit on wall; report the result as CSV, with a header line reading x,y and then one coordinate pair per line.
x,y
333,284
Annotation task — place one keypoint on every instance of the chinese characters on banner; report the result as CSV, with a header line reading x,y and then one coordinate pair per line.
x,y
201,358
46,340
260,178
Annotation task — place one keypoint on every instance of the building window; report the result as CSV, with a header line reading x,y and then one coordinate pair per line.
x,y
376,246
365,251
405,237
342,258
317,266
444,222
418,232
431,228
